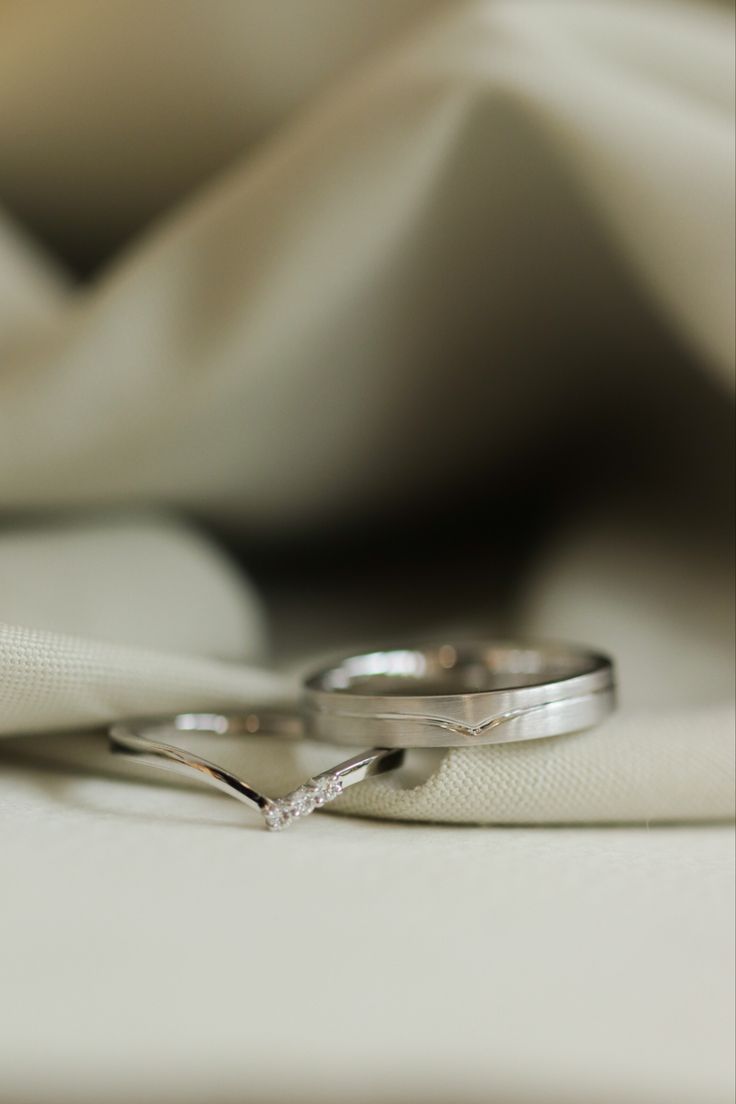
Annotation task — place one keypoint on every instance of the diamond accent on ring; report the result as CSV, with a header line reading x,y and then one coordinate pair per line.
x,y
283,811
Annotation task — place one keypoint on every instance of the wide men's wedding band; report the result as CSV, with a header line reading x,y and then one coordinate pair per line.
x,y
458,695
439,695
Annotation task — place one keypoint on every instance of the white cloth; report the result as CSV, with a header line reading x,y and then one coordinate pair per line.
x,y
277,309
496,250
155,949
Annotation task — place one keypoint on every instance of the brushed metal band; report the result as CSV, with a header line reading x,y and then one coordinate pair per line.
x,y
458,695
435,695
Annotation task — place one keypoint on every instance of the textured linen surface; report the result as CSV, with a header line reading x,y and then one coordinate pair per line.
x,y
171,376
368,258
179,956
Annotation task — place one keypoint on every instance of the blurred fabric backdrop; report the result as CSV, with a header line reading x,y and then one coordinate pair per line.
x,y
325,322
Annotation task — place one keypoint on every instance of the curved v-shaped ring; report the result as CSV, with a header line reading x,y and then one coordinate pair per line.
x,y
140,739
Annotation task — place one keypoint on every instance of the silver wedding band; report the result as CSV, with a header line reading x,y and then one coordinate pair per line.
x,y
148,741
458,695
436,695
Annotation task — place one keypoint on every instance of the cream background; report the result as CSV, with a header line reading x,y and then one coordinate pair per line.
x,y
413,244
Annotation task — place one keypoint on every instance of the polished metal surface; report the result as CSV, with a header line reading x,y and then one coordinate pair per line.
x,y
144,741
458,695
432,695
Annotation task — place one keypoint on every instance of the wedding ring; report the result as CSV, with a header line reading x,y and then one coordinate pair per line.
x,y
147,742
459,695
436,695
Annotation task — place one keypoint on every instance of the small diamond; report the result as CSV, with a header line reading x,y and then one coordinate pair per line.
x,y
326,789
312,795
302,801
277,816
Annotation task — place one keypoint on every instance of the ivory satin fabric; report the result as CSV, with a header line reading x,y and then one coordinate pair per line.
x,y
366,259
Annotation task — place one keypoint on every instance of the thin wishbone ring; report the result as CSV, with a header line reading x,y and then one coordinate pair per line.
x,y
139,740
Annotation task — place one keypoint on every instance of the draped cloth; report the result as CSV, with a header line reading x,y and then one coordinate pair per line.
x,y
369,263
540,190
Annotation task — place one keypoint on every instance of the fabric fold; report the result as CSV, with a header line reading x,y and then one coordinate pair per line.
x,y
443,270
